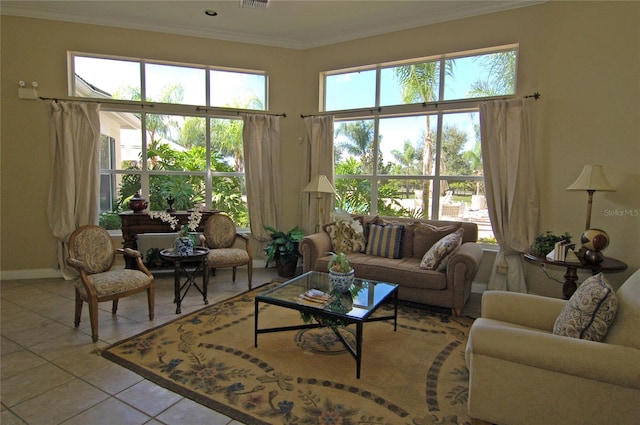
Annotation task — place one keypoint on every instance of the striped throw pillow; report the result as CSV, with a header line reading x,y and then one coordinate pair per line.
x,y
385,240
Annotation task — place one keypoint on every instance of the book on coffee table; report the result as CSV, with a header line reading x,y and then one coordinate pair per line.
x,y
314,298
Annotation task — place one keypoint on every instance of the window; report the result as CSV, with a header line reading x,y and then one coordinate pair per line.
x,y
187,144
416,150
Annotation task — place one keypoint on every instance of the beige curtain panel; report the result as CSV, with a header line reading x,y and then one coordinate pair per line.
x,y
74,132
263,171
318,156
511,187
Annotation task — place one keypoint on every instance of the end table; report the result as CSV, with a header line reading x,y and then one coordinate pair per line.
x,y
198,262
571,276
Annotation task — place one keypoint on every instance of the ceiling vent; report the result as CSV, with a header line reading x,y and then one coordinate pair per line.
x,y
255,4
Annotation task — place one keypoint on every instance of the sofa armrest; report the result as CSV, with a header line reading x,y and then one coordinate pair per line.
x,y
613,364
469,254
313,246
532,311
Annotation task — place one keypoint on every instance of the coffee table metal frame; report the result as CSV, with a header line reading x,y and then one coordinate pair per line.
x,y
180,267
285,296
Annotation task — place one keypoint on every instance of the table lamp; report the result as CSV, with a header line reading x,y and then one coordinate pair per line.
x,y
591,179
319,185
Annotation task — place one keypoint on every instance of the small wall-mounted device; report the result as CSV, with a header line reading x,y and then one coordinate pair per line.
x,y
27,93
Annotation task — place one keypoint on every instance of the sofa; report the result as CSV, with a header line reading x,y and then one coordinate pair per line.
x,y
447,286
524,370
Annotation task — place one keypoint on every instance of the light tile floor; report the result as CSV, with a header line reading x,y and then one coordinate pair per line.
x,y
50,373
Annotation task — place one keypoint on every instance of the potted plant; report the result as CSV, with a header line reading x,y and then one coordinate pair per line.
x,y
545,242
283,250
341,273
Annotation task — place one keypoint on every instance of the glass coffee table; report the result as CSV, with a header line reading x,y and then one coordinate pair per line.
x,y
311,294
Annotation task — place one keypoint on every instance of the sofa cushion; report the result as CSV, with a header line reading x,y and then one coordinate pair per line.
x,y
385,240
426,235
589,312
407,236
625,329
352,241
441,250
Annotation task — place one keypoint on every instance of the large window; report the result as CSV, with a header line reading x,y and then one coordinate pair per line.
x,y
407,135
170,130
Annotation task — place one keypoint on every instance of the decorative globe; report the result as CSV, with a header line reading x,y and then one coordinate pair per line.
x,y
595,239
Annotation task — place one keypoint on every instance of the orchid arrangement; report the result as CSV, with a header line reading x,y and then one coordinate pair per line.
x,y
185,230
345,229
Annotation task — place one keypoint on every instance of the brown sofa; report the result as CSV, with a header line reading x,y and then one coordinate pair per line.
x,y
449,288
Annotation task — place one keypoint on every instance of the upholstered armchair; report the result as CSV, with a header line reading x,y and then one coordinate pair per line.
x,y
523,370
92,253
222,239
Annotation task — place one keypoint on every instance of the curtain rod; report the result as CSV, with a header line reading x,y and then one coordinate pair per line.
x,y
535,95
150,105
106,101
239,111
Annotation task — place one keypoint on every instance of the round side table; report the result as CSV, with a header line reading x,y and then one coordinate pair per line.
x,y
571,276
188,266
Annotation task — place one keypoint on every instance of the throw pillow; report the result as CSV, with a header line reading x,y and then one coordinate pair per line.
x,y
589,312
407,236
352,240
426,235
385,240
441,249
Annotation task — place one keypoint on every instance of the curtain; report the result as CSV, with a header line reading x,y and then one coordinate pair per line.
x,y
263,171
318,157
511,188
74,131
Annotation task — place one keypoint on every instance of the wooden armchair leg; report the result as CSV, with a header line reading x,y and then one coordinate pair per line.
x,y
249,274
114,307
93,314
456,312
234,274
78,312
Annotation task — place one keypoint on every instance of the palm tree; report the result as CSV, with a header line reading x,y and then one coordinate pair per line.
x,y
419,84
502,75
408,159
360,141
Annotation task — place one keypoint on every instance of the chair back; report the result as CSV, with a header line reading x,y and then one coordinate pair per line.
x,y
94,247
219,231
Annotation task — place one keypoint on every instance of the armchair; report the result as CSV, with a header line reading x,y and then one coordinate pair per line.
x,y
92,253
220,237
522,373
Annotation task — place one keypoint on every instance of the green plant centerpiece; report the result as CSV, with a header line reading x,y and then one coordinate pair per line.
x,y
283,250
341,273
545,242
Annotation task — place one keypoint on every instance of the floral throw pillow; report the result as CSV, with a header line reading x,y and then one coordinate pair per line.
x,y
441,250
589,312
352,238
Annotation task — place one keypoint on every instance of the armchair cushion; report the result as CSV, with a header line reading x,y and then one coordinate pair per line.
x,y
115,282
589,312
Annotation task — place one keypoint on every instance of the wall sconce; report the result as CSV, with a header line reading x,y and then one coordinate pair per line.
x,y
27,93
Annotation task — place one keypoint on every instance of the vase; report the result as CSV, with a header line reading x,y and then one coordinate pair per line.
x,y
341,282
183,245
138,203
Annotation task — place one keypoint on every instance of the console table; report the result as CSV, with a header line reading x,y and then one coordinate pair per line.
x,y
135,223
571,276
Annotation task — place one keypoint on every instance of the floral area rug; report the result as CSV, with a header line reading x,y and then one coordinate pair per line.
x,y
415,375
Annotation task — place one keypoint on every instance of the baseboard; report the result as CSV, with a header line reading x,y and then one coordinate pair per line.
x,y
30,274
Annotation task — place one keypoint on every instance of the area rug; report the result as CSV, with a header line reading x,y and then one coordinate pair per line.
x,y
415,375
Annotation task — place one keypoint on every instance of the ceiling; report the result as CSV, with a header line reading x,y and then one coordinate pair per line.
x,y
299,24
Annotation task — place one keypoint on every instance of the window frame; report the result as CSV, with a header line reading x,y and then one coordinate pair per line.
x,y
438,108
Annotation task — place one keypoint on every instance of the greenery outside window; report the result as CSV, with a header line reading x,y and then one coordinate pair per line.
x,y
193,154
407,134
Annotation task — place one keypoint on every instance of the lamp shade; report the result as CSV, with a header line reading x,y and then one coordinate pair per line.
x,y
319,184
592,178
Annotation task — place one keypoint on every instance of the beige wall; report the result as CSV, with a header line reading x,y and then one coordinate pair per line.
x,y
584,57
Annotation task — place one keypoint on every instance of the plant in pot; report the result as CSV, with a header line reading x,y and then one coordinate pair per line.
x,y
545,242
341,273
283,250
